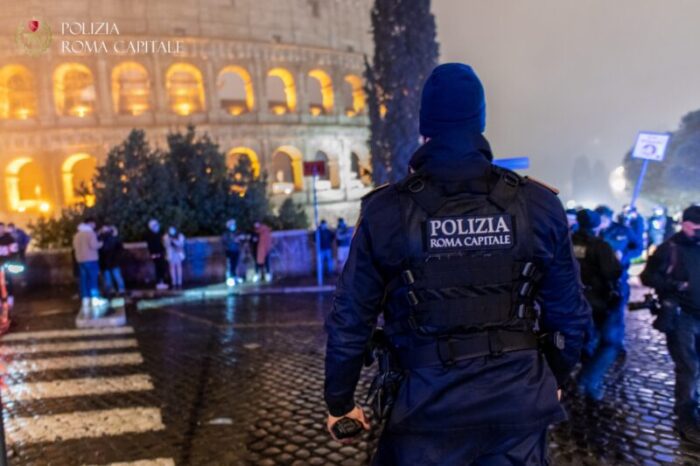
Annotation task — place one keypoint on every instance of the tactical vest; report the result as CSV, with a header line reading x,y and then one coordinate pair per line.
x,y
468,279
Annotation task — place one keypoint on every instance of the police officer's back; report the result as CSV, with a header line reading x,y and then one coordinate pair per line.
x,y
674,272
460,257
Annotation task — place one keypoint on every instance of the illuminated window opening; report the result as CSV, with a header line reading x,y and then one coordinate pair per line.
x,y
361,175
74,90
281,91
320,88
130,89
234,155
17,93
359,98
25,186
185,89
286,169
77,173
235,89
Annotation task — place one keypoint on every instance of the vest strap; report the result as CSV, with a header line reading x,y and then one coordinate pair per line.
x,y
447,351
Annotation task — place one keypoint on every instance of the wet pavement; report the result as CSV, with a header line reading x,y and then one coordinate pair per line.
x,y
238,381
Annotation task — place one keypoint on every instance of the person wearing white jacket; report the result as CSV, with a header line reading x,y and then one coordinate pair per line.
x,y
174,243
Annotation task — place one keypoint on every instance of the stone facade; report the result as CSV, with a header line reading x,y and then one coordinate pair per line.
x,y
276,81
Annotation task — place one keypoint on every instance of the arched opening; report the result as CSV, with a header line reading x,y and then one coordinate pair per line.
x,y
286,170
281,91
130,89
360,174
77,173
235,154
357,100
235,88
26,186
17,93
320,90
185,89
74,90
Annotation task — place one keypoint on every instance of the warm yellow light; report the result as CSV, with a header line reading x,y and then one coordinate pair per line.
x,y
236,110
138,109
22,113
44,207
279,109
316,110
326,86
21,208
289,87
17,92
359,99
183,109
351,113
382,110
80,111
90,200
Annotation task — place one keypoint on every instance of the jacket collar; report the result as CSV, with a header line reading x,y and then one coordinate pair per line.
x,y
453,156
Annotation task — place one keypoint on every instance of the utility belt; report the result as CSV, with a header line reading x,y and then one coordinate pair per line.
x,y
446,351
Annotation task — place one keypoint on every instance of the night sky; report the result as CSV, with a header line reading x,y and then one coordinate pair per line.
x,y
568,78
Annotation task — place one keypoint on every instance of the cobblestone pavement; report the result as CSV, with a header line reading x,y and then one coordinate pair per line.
x,y
237,381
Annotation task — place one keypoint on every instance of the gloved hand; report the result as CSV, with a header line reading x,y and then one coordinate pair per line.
x,y
356,414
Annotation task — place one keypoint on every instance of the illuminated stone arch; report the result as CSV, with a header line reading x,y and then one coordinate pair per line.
x,y
281,91
78,170
331,179
131,89
74,90
320,92
235,89
17,93
25,186
360,169
185,89
286,170
358,99
234,155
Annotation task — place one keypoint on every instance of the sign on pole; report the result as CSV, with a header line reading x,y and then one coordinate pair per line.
x,y
316,169
513,163
649,146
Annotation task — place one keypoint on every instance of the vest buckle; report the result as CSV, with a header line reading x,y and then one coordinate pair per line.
x,y
407,277
445,351
412,298
416,185
511,179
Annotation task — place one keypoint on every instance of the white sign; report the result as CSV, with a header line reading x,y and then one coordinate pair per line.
x,y
651,146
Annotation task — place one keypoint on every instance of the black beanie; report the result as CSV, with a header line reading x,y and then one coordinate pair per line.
x,y
452,99
588,219
692,214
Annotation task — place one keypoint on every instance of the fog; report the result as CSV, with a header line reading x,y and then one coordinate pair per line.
x,y
567,79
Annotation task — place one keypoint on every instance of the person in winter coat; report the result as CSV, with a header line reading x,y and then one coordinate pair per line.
x,y
174,243
231,241
326,237
110,259
86,247
343,235
156,249
262,244
484,316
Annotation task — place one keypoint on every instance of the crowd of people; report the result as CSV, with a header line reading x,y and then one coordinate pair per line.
x,y
605,247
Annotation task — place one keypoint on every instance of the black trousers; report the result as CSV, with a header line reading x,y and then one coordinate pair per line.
x,y
473,447
161,267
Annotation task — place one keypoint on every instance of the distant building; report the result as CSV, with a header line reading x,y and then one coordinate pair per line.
x,y
276,81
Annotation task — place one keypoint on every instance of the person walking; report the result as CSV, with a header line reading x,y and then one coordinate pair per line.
x,y
600,273
86,247
9,251
231,242
343,235
261,240
484,314
21,238
174,243
326,237
156,249
674,272
110,260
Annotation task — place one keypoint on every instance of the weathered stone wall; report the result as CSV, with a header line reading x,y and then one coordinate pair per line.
x,y
292,256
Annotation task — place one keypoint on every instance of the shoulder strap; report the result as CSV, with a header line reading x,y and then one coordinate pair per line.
x,y
506,188
673,263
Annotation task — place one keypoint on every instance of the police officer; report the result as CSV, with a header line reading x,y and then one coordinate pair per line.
x,y
464,260
674,272
600,272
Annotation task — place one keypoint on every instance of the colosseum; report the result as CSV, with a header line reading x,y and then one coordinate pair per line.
x,y
277,81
